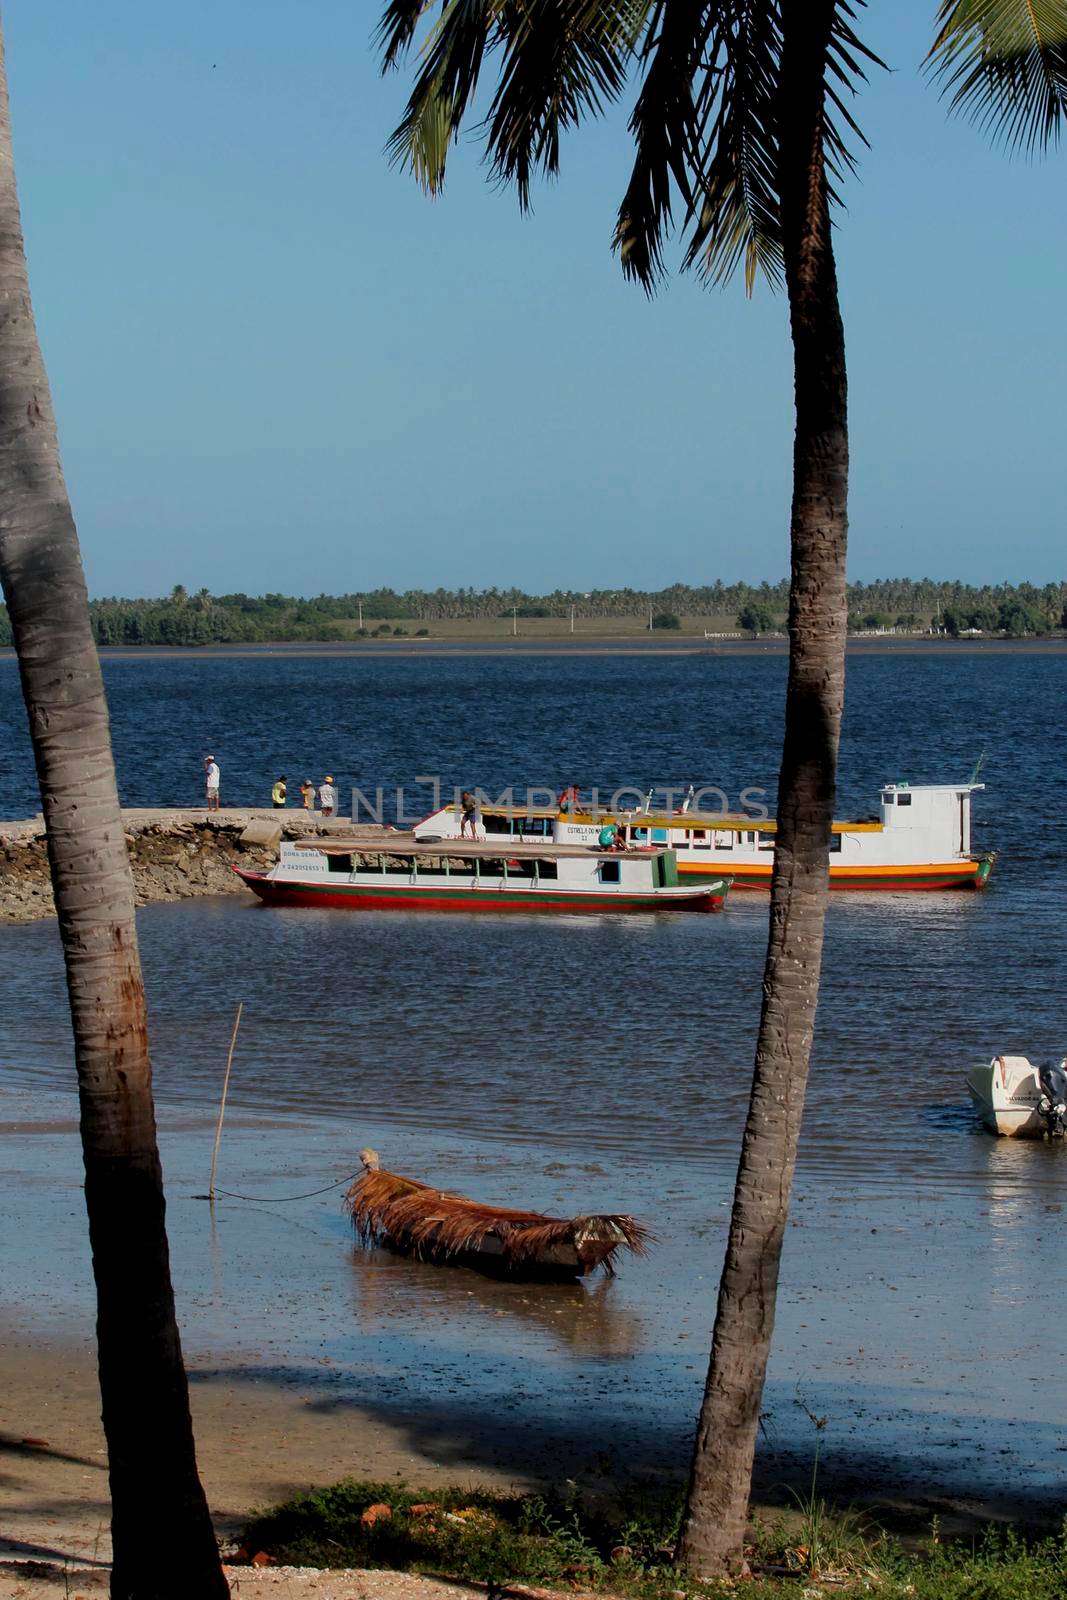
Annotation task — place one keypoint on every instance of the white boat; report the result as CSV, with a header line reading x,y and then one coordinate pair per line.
x,y
398,872
1016,1098
920,839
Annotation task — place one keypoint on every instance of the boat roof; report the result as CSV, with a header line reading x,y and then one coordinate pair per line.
x,y
706,821
405,844
934,788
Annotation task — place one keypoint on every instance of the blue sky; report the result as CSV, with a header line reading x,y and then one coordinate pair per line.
x,y
277,365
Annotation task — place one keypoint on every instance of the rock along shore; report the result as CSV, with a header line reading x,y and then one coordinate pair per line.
x,y
174,854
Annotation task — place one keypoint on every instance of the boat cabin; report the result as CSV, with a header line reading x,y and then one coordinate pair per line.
x,y
479,863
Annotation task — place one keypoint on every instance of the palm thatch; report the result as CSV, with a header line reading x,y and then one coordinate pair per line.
x,y
418,1220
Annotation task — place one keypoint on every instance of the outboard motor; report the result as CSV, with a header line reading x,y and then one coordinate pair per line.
x,y
1052,1104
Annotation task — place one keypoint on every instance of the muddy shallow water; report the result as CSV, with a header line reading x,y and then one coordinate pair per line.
x,y
923,1259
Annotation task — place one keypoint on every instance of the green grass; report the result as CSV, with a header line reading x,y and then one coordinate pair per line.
x,y
624,1547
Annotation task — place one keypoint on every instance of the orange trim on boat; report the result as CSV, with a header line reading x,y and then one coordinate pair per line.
x,y
899,869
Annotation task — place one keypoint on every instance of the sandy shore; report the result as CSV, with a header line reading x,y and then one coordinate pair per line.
x,y
24,1580
260,1439
587,644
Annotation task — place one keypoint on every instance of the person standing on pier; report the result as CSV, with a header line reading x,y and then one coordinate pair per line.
x,y
327,797
307,794
277,794
211,780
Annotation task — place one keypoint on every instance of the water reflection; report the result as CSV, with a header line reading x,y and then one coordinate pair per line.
x,y
587,1318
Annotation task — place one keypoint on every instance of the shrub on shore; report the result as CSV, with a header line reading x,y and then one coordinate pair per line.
x,y
624,1546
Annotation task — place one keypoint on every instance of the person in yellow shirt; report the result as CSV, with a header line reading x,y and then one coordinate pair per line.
x,y
277,794
307,791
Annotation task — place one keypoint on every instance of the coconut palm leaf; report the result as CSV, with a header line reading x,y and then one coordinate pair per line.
x,y
739,213
704,119
560,60
737,216
1004,64
452,55
397,28
664,123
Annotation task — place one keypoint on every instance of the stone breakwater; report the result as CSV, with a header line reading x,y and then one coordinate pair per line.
x,y
174,855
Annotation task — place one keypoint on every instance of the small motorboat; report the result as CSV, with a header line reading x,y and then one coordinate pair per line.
x,y
1014,1097
432,1225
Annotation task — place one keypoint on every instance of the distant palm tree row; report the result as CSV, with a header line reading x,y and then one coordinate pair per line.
x,y
200,618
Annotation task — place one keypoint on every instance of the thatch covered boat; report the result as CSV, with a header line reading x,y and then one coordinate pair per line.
x,y
415,1219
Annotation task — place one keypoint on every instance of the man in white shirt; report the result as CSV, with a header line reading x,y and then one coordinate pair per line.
x,y
211,779
327,797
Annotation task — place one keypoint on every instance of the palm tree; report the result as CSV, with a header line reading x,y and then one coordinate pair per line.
x,y
737,123
162,1537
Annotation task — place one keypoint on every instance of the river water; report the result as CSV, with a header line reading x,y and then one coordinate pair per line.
x,y
603,1063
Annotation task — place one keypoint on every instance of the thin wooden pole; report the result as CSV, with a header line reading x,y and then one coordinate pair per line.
x,y
222,1105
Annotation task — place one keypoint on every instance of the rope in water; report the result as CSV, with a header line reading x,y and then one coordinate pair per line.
x,y
279,1199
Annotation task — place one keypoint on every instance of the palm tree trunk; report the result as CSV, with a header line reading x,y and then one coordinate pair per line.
x,y
716,1512
164,1546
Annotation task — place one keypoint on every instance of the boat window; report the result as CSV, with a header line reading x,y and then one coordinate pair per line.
x,y
723,839
491,869
526,867
534,827
888,797
700,839
765,841
659,836
497,824
638,835
835,844
609,872
903,799
547,869
339,863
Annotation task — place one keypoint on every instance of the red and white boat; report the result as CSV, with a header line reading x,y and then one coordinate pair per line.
x,y
402,873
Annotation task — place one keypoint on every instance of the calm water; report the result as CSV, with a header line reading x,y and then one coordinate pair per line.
x,y
599,1061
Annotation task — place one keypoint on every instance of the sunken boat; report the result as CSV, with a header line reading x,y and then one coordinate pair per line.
x,y
414,1219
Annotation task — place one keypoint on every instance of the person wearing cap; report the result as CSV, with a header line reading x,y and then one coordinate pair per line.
x,y
211,781
307,794
327,797
277,794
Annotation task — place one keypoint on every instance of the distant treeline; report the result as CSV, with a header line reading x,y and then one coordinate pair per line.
x,y
183,618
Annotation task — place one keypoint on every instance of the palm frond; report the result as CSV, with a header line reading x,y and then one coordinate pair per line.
x,y
561,60
1004,65
452,56
663,124
397,29
704,123
706,127
736,217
